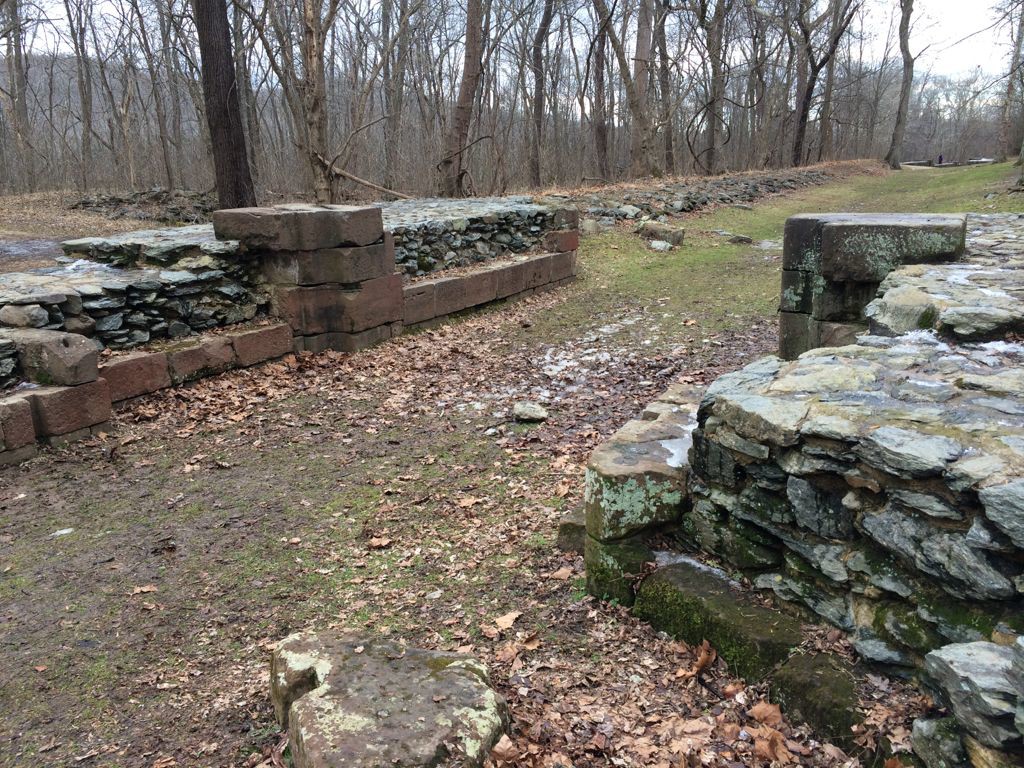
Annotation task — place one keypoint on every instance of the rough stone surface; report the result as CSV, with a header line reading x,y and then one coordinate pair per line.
x,y
529,412
135,374
63,410
52,357
300,226
195,360
975,679
694,602
361,703
937,743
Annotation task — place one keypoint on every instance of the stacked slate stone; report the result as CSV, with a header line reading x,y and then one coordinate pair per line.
x,y
432,235
118,297
683,196
833,266
10,371
330,271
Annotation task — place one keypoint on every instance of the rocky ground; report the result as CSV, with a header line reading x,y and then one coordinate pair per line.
x,y
146,575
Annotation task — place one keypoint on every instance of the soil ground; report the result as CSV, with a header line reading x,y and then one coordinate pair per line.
x,y
145,575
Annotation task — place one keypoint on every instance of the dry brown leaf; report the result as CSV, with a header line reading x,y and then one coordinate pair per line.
x,y
766,713
506,621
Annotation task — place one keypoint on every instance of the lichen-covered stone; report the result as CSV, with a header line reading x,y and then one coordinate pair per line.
x,y
820,690
350,702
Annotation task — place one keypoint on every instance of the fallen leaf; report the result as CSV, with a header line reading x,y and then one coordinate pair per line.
x,y
506,621
766,713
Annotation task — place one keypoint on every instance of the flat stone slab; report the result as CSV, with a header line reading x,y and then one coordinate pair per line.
x,y
981,298
357,703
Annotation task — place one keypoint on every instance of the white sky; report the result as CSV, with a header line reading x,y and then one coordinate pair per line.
x,y
942,24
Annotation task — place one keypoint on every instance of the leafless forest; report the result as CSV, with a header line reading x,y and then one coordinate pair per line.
x,y
481,96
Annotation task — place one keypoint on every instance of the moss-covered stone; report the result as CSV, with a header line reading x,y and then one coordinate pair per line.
x,y
695,603
707,528
572,531
613,567
901,624
820,690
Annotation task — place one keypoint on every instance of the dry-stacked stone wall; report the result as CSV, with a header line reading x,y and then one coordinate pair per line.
x,y
875,486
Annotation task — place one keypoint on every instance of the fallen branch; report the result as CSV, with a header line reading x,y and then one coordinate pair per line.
x,y
352,177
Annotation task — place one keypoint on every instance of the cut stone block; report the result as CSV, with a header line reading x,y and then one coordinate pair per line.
x,y
349,342
637,479
842,301
801,248
61,410
509,279
135,374
838,334
797,334
418,302
331,265
820,690
797,291
376,302
261,344
538,271
567,240
572,531
215,355
364,703
53,357
694,602
17,429
563,266
866,248
300,227
613,567
308,310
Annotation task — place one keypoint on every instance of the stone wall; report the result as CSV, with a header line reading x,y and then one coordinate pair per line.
x,y
326,271
833,265
877,487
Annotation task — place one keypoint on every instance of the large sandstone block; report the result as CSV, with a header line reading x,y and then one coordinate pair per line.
x,y
559,242
347,342
17,429
308,310
261,344
563,266
330,265
465,291
376,302
135,374
538,271
53,357
614,567
214,355
798,333
300,227
62,410
509,278
797,291
418,302
366,703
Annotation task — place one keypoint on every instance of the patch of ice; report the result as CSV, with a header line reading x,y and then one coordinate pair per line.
x,y
676,451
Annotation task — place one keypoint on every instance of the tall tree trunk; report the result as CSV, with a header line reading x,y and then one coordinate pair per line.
x,y
892,157
537,62
715,30
17,76
665,85
642,160
451,169
601,105
223,114
640,148
1006,148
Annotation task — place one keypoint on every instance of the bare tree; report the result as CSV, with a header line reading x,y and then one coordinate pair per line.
x,y
223,114
452,167
892,157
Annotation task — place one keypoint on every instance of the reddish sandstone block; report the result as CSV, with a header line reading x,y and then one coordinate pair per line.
x,y
300,227
418,302
214,355
260,344
135,374
566,240
60,410
16,426
566,218
538,270
563,265
308,310
449,296
330,265
350,342
509,279
376,302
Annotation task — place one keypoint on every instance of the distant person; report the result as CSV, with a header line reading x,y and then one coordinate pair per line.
x,y
940,159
